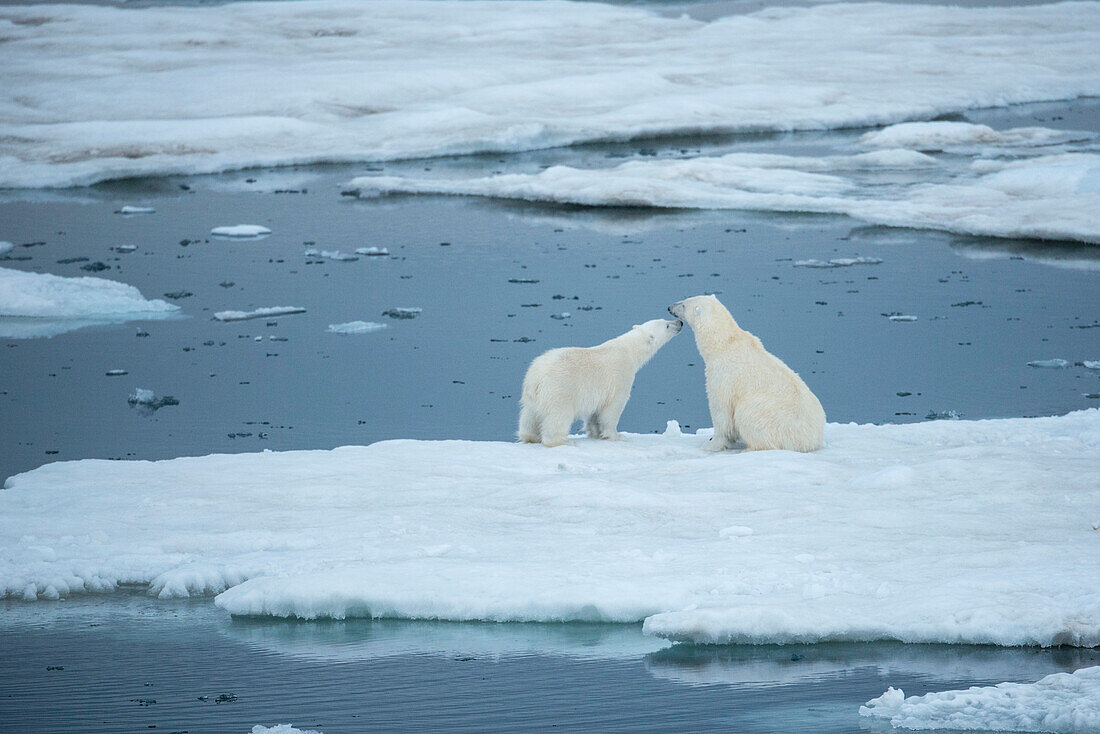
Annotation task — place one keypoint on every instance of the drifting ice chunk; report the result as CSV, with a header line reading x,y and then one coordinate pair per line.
x,y
116,373
241,231
148,399
5,247
372,251
356,327
281,729
402,313
839,262
1091,365
900,317
1056,364
127,210
337,255
1063,702
258,313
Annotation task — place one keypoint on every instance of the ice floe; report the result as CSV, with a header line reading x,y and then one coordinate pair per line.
x,y
1054,197
95,92
372,251
131,210
1057,364
1064,703
241,231
281,729
837,262
258,313
6,247
410,312
947,531
148,400
356,327
40,304
939,136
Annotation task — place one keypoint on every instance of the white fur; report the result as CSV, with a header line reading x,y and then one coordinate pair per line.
x,y
590,383
754,397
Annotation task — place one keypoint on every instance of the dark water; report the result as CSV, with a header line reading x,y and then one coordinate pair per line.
x,y
132,664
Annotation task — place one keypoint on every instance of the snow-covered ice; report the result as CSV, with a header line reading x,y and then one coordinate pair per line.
x,y
258,313
281,729
6,247
40,304
241,231
948,531
1066,703
95,92
903,317
1091,365
399,312
1057,364
130,210
372,251
1053,196
838,262
143,396
356,327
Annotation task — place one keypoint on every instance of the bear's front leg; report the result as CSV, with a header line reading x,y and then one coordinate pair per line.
x,y
609,417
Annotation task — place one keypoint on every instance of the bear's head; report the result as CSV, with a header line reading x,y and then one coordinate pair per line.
x,y
698,311
658,331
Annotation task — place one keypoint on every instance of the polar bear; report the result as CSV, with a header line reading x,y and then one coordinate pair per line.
x,y
754,397
590,383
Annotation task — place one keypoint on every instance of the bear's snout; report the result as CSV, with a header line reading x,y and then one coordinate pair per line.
x,y
677,310
676,326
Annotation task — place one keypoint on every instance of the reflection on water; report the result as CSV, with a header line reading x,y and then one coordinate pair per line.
x,y
1071,255
128,663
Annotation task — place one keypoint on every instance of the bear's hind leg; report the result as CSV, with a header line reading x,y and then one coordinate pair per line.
x,y
528,426
725,433
592,426
555,428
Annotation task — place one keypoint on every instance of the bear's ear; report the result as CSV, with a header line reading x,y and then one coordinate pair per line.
x,y
636,326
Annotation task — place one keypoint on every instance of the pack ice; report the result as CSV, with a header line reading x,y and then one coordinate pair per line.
x,y
94,92
948,531
40,304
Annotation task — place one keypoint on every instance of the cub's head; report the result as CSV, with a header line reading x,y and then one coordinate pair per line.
x,y
698,311
658,331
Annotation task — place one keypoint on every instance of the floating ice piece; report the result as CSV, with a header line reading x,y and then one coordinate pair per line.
x,y
561,316
900,317
6,247
372,251
124,248
1091,365
337,255
281,729
128,210
403,313
356,327
942,415
946,135
258,313
1062,702
1057,364
241,231
839,262
40,304
565,543
147,399
116,373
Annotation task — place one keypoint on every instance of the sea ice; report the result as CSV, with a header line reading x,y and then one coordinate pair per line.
x,y
372,251
127,210
148,400
403,313
337,255
1066,703
241,231
1091,365
837,262
40,304
281,729
1057,364
258,313
6,247
993,546
158,90
901,317
356,327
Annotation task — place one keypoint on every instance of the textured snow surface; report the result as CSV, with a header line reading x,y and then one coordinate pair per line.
x,y
1063,702
1044,196
95,92
949,531
40,304
356,327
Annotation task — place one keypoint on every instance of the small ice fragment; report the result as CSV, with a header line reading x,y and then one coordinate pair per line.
x,y
5,247
372,251
1091,365
1056,364
561,316
258,313
402,313
356,327
141,396
241,230
337,255
313,252
839,262
124,248
942,415
900,317
672,429
127,210
116,373
737,531
281,729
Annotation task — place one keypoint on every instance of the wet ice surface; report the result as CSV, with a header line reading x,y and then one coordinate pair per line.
x,y
90,667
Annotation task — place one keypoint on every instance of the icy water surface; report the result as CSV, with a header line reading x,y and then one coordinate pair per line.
x,y
130,663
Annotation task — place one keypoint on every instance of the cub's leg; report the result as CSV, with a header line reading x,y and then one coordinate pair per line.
x,y
555,427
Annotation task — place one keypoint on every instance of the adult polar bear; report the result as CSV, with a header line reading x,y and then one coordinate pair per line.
x,y
590,383
754,397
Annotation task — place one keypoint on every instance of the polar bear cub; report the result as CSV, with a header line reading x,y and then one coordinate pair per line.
x,y
754,397
590,383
